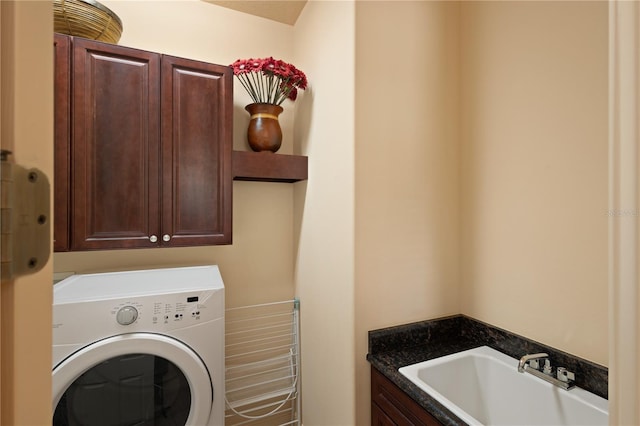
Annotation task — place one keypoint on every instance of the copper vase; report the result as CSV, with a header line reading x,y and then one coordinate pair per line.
x,y
264,132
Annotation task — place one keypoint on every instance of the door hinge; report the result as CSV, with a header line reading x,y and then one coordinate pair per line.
x,y
25,222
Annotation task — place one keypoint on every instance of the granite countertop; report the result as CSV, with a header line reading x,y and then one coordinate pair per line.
x,y
395,347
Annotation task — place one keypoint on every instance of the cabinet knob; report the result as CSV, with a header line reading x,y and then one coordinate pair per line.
x,y
166,237
153,239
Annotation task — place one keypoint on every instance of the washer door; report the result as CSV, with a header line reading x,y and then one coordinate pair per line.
x,y
132,379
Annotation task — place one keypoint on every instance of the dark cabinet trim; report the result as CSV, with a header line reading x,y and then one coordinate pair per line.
x,y
62,111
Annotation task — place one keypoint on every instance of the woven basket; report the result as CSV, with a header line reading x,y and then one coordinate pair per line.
x,y
86,18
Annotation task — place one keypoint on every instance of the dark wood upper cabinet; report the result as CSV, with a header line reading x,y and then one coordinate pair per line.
x,y
115,146
197,114
150,149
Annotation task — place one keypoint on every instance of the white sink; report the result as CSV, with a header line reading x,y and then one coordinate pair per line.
x,y
483,387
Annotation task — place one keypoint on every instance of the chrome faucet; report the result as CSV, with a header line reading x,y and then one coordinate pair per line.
x,y
531,364
533,361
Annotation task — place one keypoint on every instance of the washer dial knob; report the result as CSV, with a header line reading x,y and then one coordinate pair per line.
x,y
127,315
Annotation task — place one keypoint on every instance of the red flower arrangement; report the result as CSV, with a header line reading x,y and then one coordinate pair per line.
x,y
269,80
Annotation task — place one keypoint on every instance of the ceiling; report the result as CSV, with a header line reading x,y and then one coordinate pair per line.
x,y
284,11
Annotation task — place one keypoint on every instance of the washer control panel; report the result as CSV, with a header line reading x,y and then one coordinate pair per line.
x,y
156,313
166,312
161,312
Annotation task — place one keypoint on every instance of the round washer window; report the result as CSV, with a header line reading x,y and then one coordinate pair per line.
x,y
132,379
136,389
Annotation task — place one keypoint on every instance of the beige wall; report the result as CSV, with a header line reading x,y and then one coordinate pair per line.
x,y
525,196
534,170
407,206
26,118
325,211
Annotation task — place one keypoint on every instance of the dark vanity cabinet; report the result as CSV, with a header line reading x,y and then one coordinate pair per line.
x,y
391,406
146,156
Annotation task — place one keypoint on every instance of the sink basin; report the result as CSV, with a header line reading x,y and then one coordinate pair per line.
x,y
483,387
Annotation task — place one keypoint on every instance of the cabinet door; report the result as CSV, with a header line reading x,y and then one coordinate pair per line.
x,y
379,417
61,175
116,152
398,408
197,120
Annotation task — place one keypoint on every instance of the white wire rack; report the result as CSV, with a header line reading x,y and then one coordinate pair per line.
x,y
262,364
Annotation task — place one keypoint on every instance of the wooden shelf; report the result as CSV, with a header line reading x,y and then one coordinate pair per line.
x,y
269,167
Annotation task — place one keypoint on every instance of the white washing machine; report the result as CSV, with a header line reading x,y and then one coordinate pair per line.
x,y
139,348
